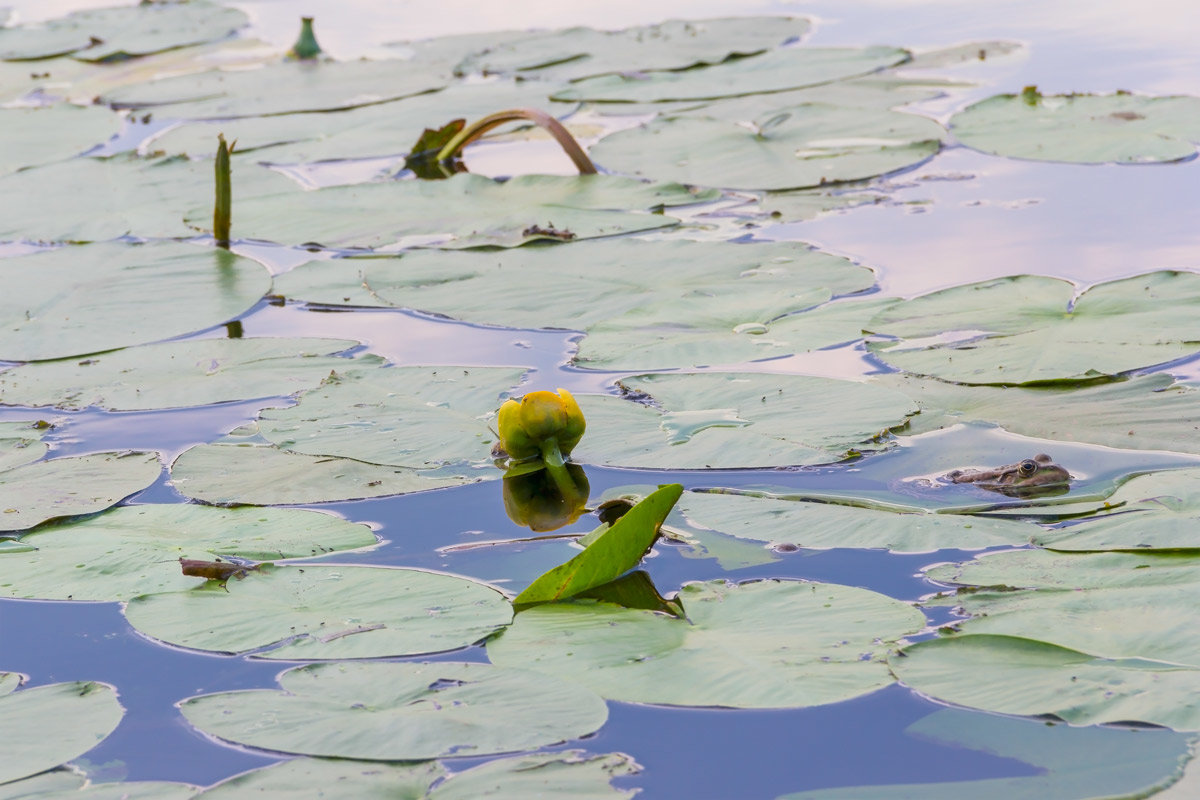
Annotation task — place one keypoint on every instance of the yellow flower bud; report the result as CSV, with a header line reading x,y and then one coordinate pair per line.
x,y
539,422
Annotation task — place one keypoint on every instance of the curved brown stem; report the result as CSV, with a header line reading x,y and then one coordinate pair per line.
x,y
481,126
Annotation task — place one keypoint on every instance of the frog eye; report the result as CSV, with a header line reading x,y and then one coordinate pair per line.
x,y
1027,467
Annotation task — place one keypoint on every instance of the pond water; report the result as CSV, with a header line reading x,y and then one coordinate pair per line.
x,y
960,217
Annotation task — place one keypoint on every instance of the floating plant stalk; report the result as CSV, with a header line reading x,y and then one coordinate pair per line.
x,y
555,128
223,207
306,47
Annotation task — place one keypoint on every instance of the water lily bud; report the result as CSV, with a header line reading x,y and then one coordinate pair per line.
x,y
528,427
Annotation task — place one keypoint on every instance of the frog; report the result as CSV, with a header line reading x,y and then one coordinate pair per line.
x,y
1029,477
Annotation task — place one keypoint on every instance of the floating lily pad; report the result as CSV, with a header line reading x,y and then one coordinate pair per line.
x,y
1045,569
66,487
731,420
464,211
676,44
415,417
1147,412
1072,763
48,725
768,644
785,148
825,525
325,612
416,711
67,784
1028,328
115,33
193,372
970,52
570,773
267,476
624,287
135,550
1017,675
1082,128
20,443
773,71
648,339
279,88
41,135
124,197
376,130
77,300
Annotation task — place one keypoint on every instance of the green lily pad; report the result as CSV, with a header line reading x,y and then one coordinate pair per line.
x,y
248,474
576,53
624,283
325,612
65,487
279,88
134,550
785,148
20,443
767,644
614,551
125,197
376,130
193,372
1082,128
1073,763
1147,412
48,725
649,339
105,34
1017,675
1158,511
731,420
1028,328
782,520
44,134
773,71
67,784
971,52
417,711
570,773
463,211
76,300
1045,569
415,417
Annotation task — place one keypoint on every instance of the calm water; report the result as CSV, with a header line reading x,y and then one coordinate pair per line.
x,y
961,217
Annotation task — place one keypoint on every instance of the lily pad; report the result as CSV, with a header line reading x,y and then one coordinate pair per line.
x,y
415,417
125,197
466,210
784,148
1073,763
731,420
20,443
325,612
1147,412
672,45
781,520
44,134
134,550
280,88
77,300
648,339
570,773
774,71
105,34
1045,569
177,374
672,283
768,644
48,725
70,486
67,784
1082,128
227,473
1028,329
417,711
1017,675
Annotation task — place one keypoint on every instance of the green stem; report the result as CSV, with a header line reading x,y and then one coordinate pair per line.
x,y
552,458
223,208
481,126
